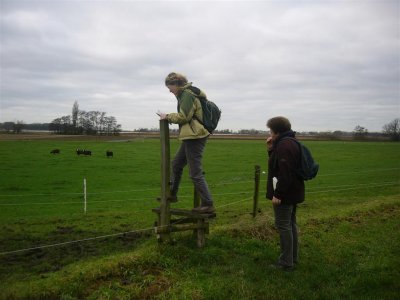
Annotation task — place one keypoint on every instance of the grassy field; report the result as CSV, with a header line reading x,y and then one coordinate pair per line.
x,y
349,224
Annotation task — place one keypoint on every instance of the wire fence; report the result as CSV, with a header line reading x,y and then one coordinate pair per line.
x,y
325,189
186,187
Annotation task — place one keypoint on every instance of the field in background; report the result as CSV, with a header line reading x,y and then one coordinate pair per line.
x,y
41,196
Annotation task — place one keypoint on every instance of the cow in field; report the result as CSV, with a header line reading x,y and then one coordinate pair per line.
x,y
83,152
55,151
87,152
109,153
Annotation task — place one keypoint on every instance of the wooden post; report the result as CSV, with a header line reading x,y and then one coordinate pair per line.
x,y
196,203
165,215
256,189
199,232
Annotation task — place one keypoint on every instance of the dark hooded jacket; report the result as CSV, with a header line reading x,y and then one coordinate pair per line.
x,y
284,159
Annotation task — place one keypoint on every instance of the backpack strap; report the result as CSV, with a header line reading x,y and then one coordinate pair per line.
x,y
196,92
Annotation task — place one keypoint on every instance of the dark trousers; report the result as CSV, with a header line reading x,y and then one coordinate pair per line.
x,y
191,153
285,222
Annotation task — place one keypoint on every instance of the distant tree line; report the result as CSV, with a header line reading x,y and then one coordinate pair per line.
x,y
85,122
390,130
12,127
95,122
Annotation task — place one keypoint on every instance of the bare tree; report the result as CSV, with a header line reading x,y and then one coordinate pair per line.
x,y
360,132
18,126
83,122
8,126
75,111
392,129
55,125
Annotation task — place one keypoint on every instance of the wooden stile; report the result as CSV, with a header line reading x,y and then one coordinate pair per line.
x,y
189,220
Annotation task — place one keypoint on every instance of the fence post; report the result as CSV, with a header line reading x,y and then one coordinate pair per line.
x,y
165,215
256,189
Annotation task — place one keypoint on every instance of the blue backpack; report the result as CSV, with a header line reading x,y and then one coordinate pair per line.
x,y
211,112
308,166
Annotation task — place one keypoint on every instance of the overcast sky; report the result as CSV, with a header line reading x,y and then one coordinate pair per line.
x,y
326,65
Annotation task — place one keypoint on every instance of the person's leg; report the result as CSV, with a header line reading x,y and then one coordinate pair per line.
x,y
295,236
194,153
178,163
283,214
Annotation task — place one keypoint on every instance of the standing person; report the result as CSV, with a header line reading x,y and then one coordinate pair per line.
x,y
193,135
284,188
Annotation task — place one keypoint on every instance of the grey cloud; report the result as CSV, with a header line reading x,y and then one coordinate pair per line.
x,y
327,65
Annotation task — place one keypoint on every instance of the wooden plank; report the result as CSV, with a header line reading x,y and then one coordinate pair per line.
x,y
187,213
172,228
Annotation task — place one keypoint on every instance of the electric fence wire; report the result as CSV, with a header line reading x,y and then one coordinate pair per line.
x,y
309,191
105,201
217,207
149,229
152,228
186,187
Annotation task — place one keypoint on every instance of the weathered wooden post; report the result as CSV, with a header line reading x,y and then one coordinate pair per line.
x,y
165,215
256,189
200,232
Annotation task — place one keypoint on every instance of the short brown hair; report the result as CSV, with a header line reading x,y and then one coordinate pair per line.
x,y
176,79
279,124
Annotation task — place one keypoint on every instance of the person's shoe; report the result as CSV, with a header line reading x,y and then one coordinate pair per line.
x,y
204,209
278,266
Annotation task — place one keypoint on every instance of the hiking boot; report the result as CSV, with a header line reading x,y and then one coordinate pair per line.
x,y
204,209
278,266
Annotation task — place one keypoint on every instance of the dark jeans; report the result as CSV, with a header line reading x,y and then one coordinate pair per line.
x,y
190,153
285,221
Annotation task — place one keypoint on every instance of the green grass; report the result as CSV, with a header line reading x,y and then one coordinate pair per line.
x,y
349,224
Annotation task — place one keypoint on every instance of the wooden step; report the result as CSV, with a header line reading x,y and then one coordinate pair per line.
x,y
187,213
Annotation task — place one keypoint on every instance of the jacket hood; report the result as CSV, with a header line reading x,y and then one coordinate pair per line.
x,y
193,90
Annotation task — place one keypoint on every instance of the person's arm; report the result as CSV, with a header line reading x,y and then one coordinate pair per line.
x,y
186,110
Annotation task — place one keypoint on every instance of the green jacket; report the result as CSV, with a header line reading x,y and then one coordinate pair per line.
x,y
189,112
